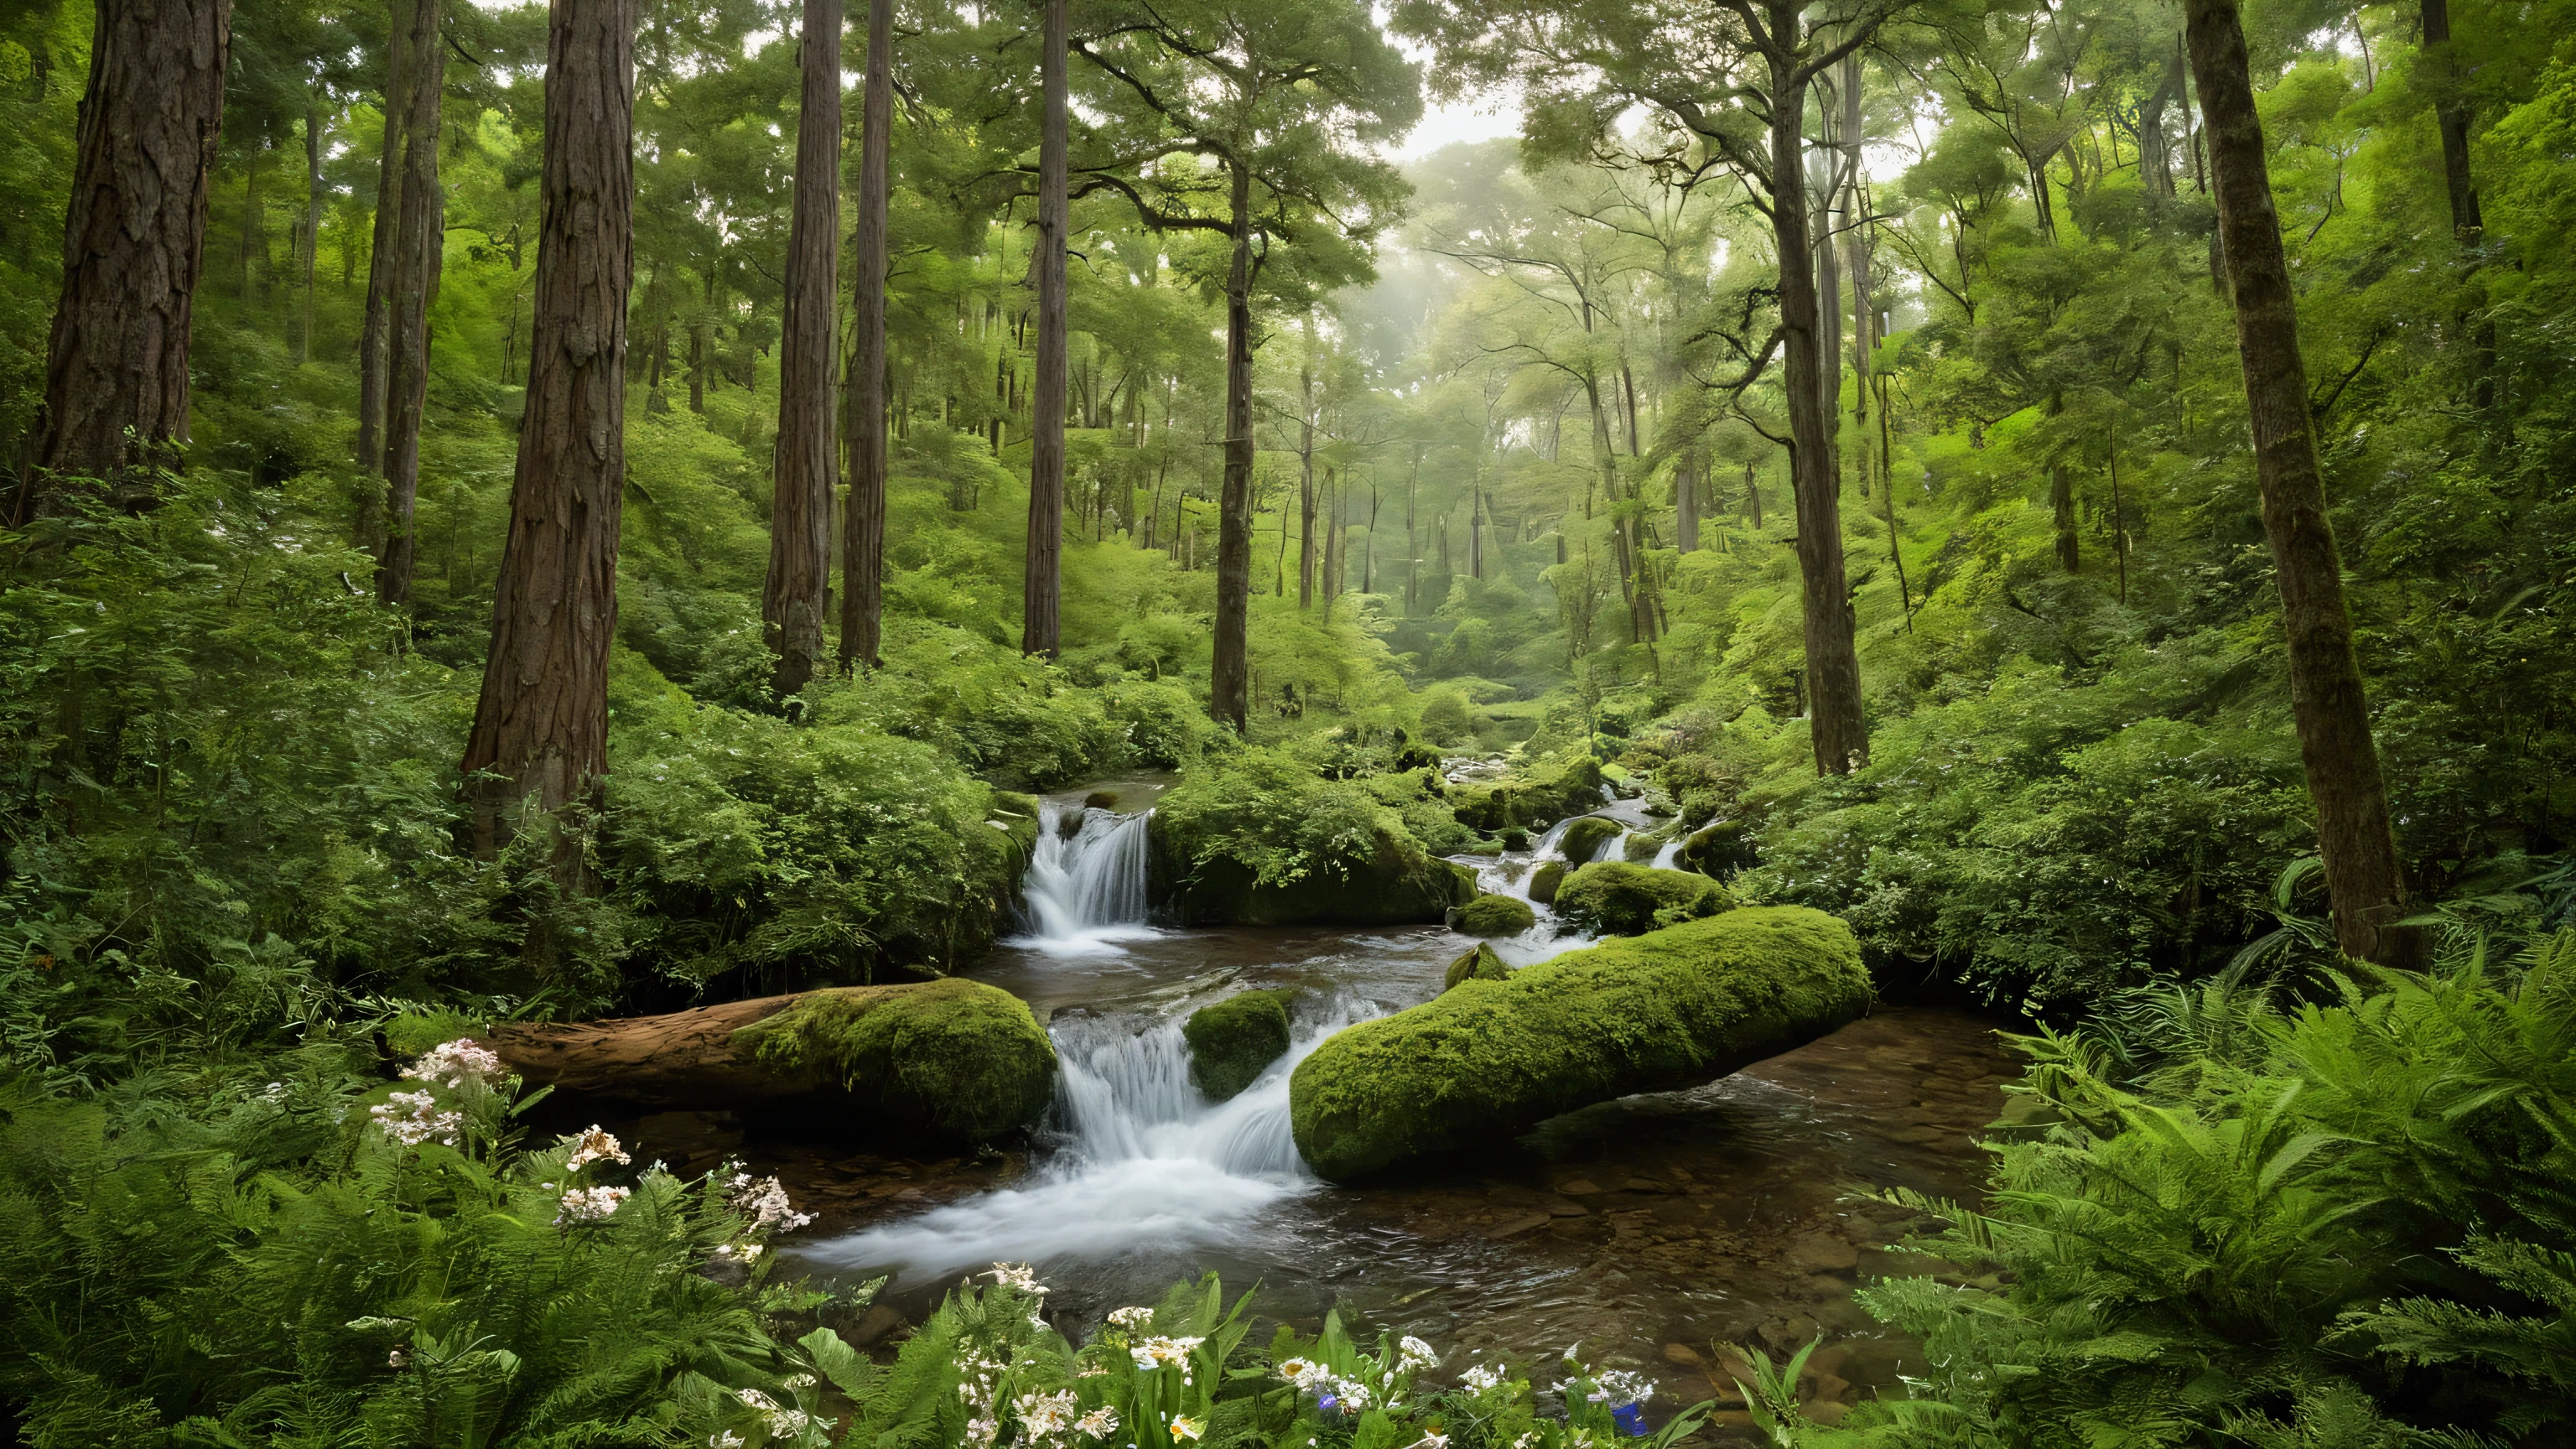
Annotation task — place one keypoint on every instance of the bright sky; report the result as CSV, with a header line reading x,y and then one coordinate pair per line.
x,y
1479,119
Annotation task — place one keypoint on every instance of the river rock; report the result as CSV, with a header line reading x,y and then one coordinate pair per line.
x,y
1493,915
1399,885
1584,838
1235,1040
1658,1012
1618,899
1533,796
1544,881
946,1058
1480,964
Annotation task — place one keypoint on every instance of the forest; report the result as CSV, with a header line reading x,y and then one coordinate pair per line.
x,y
1110,723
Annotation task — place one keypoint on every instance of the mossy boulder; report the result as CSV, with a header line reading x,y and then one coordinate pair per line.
x,y
1653,1013
1544,881
1619,899
1719,850
958,1058
1584,838
1235,1040
1480,964
1399,884
1493,915
1536,796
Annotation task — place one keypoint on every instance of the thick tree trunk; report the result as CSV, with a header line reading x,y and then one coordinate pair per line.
x,y
541,722
1306,473
309,237
2451,117
792,599
2061,501
376,329
133,242
1230,677
1686,504
1839,730
863,521
1042,580
2326,699
423,237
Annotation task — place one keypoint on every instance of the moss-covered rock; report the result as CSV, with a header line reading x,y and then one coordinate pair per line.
x,y
1584,838
1493,915
957,1058
1235,1040
1480,964
1654,1013
1619,899
1719,850
1399,885
1538,796
1544,880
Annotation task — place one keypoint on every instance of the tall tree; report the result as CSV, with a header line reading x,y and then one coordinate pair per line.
x,y
540,729
1042,582
116,364
421,242
384,243
863,522
2354,838
801,469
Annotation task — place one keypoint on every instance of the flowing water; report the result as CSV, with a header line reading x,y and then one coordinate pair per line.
x,y
1647,1228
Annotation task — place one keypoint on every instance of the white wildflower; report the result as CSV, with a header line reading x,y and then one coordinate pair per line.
x,y
726,1440
1006,1275
453,1064
595,1145
982,1432
1045,1416
1624,1386
800,1381
589,1205
1185,1427
398,1360
1305,1373
1131,1319
756,1401
786,1423
763,1200
1431,1439
1100,1423
1413,1355
1481,1377
412,1118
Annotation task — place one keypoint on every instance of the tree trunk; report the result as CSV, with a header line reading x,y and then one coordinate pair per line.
x,y
802,463
1753,494
309,247
2326,699
423,233
1838,728
1306,472
117,360
541,722
375,331
2451,116
863,521
1230,677
1042,583
1686,504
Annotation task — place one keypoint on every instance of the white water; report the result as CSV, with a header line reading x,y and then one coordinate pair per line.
x,y
1144,1159
1615,848
1085,894
1669,858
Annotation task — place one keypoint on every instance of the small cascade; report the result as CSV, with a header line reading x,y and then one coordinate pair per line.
x,y
1669,858
1141,1157
1085,887
1615,848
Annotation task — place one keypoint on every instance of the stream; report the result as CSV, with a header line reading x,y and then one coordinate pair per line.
x,y
1647,1229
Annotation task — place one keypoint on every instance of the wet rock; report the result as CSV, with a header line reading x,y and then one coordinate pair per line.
x,y
1544,881
1515,1226
1584,838
1493,915
1681,1354
1828,1412
1648,1184
1235,1040
1480,964
1100,800
1579,1187
1821,1253
1395,885
875,1326
1659,1012
1619,899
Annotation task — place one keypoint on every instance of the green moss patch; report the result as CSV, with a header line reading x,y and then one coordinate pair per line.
x,y
1493,915
956,1058
1619,899
1584,838
1544,880
1480,964
1653,1013
1235,1040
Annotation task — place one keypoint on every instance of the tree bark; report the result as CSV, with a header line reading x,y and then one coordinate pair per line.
x,y
863,521
375,330
2327,703
2451,117
418,254
1230,678
308,252
1306,472
1838,729
541,721
133,243
1686,504
1042,582
792,598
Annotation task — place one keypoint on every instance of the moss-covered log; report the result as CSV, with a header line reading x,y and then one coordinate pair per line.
x,y
1234,1041
948,1058
1618,899
1659,1012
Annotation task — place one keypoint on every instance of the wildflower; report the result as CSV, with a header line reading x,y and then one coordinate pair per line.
x,y
1007,1276
398,1360
763,1200
1131,1319
1304,1373
756,1401
1100,1423
1185,1427
982,1432
800,1381
1045,1416
1631,1419
589,1205
726,1440
595,1145
1624,1386
453,1064
1413,1355
1481,1377
1431,1439
786,1423
412,1118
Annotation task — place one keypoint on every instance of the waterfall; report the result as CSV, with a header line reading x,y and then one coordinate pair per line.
x,y
1085,889
1669,858
1140,1157
1615,848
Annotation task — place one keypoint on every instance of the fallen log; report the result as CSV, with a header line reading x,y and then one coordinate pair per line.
x,y
947,1057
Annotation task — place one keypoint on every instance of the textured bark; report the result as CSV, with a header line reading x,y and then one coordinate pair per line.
x,y
683,1059
1042,578
863,522
376,329
801,468
422,235
1839,730
308,235
133,243
541,722
2326,699
1306,473
1686,504
2451,117
1230,677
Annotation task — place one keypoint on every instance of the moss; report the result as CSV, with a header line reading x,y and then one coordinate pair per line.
x,y
1480,964
1619,899
1399,885
1539,797
1545,880
1493,915
1654,1013
1719,850
415,1032
1584,838
951,1057
1235,1040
